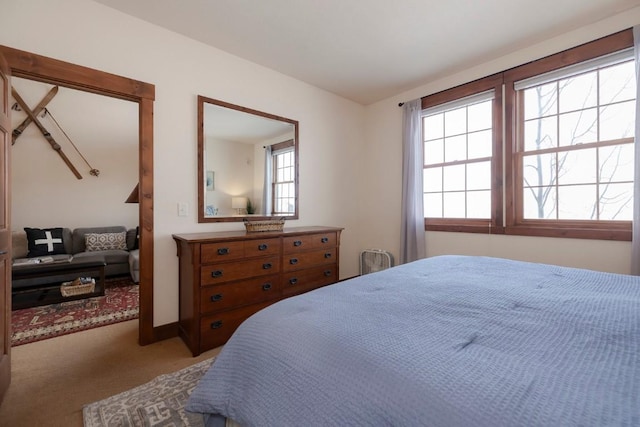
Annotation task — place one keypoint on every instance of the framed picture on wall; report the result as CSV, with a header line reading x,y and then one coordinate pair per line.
x,y
210,181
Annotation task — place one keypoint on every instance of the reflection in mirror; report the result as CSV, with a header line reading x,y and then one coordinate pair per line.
x,y
247,163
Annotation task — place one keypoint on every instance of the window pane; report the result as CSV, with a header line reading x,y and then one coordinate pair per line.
x,y
616,202
616,163
577,167
454,178
578,127
480,116
480,144
577,202
455,122
286,160
579,92
434,152
617,121
433,205
454,205
479,204
433,126
432,180
540,101
541,133
539,202
479,176
539,169
617,83
455,148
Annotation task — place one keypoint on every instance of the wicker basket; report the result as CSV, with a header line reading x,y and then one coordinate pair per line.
x,y
68,289
266,225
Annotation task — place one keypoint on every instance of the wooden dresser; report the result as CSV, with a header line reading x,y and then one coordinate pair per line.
x,y
225,277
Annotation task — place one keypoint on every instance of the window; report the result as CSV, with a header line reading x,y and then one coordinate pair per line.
x,y
461,151
569,127
575,148
284,181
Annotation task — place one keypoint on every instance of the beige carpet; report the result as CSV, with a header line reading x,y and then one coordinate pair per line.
x,y
53,379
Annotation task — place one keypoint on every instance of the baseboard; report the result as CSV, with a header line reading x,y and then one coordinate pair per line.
x,y
164,332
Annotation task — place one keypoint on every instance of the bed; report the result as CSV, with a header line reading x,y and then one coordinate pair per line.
x,y
444,341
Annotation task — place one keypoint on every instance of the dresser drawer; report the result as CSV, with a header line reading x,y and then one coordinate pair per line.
x,y
236,294
309,242
223,251
303,260
261,247
296,282
216,329
214,274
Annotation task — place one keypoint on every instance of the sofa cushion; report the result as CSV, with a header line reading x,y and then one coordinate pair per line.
x,y
79,233
19,247
133,237
105,241
44,241
110,256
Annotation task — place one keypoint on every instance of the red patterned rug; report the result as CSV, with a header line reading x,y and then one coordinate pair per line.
x,y
119,303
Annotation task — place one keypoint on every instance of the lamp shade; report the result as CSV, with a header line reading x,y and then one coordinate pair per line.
x,y
238,202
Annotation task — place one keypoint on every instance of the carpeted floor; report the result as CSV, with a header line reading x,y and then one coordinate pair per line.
x,y
119,303
159,402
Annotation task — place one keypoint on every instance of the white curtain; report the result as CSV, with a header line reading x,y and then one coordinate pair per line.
x,y
412,244
635,245
268,178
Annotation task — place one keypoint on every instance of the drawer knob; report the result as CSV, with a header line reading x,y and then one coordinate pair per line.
x,y
297,243
293,261
267,265
263,247
216,325
216,297
223,251
327,255
324,239
217,273
266,286
328,273
293,280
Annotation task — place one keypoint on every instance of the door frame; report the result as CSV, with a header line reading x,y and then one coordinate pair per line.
x,y
40,68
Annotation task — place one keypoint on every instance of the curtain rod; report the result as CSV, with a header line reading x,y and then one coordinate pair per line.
x,y
400,104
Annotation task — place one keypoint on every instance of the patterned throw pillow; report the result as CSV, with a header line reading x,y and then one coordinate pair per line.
x,y
44,241
105,241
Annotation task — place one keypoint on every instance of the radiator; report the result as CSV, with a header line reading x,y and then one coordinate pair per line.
x,y
372,260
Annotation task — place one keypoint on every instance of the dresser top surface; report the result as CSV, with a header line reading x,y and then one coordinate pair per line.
x,y
243,234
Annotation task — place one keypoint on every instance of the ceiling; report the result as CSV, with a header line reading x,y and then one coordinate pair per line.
x,y
369,50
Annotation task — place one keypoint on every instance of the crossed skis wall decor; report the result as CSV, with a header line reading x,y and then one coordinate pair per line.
x,y
32,117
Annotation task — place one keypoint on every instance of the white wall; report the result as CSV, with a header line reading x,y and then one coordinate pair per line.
x,y
331,128
104,131
233,166
382,178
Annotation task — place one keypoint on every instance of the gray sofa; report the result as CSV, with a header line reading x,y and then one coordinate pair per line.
x,y
117,261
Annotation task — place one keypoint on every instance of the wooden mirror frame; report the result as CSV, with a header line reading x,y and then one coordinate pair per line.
x,y
40,68
202,169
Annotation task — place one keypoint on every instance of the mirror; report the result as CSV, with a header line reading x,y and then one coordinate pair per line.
x,y
247,163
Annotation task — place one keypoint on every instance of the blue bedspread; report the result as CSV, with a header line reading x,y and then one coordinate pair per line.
x,y
445,341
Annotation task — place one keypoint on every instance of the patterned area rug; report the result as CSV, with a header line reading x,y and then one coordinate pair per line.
x,y
159,402
119,303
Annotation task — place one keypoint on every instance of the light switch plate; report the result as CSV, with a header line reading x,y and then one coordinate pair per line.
x,y
183,209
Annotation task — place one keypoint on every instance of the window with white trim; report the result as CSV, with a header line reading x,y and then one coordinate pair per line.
x,y
458,139
575,145
549,152
284,170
